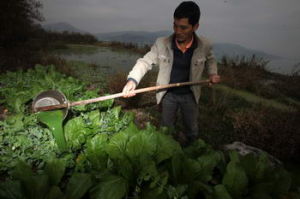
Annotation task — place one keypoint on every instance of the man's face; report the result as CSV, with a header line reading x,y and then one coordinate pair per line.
x,y
183,30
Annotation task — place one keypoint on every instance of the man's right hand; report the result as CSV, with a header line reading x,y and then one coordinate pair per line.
x,y
130,86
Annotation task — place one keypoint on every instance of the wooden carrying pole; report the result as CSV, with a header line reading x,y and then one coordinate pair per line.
x,y
113,96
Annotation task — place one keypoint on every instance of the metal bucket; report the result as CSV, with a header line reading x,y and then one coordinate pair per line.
x,y
49,98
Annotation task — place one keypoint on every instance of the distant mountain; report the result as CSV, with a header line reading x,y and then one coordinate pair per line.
x,y
61,27
234,50
143,37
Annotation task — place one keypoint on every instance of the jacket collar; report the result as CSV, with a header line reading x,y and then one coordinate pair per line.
x,y
169,42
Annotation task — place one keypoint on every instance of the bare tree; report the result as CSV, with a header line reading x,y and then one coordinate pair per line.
x,y
18,19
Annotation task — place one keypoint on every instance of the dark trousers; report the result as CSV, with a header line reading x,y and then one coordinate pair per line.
x,y
189,109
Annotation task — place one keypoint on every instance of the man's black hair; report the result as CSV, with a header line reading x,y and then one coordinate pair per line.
x,y
190,10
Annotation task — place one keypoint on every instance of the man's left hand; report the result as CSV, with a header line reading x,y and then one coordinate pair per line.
x,y
214,79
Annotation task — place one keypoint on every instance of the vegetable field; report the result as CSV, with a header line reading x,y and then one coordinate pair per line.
x,y
106,156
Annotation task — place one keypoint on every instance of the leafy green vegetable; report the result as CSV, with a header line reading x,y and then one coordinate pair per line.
x,y
235,179
110,157
76,132
11,190
78,185
34,185
55,193
110,187
95,151
55,169
220,192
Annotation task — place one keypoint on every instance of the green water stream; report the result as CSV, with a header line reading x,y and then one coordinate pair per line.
x,y
54,120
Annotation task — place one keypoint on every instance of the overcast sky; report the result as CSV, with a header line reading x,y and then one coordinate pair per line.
x,y
272,26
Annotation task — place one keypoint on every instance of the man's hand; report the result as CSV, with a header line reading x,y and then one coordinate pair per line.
x,y
214,79
130,86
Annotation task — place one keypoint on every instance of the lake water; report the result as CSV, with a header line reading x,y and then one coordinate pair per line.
x,y
104,57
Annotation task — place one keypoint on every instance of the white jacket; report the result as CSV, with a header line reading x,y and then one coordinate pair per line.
x,y
161,55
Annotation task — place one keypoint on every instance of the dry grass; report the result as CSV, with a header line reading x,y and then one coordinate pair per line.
x,y
243,73
226,117
250,75
269,129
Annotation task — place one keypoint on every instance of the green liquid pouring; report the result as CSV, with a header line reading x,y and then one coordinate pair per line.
x,y
54,120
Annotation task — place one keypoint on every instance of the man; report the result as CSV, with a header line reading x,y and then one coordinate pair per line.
x,y
181,57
